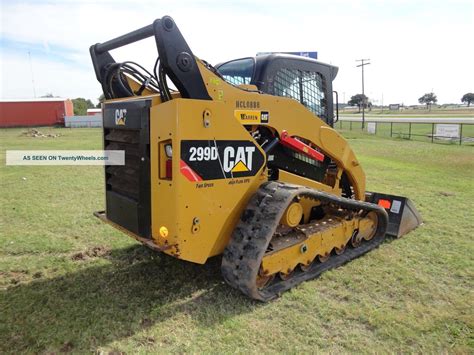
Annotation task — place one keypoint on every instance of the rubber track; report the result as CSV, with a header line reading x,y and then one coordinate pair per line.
x,y
243,255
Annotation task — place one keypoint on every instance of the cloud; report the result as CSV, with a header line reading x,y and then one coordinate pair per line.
x,y
414,46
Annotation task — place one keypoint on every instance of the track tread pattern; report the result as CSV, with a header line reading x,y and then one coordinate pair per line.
x,y
243,255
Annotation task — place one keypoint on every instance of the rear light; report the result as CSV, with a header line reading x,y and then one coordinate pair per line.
x,y
169,166
169,169
169,150
166,160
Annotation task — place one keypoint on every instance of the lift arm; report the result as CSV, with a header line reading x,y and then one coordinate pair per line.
x,y
174,53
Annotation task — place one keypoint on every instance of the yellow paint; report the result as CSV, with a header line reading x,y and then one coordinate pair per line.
x,y
293,214
290,115
176,202
335,234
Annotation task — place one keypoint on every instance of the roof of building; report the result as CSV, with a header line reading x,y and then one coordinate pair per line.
x,y
39,99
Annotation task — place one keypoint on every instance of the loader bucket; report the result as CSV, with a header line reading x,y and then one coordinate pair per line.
x,y
403,216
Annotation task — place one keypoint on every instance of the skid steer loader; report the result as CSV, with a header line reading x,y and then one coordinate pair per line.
x,y
239,160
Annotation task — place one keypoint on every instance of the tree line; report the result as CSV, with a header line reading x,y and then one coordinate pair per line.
x,y
428,99
81,104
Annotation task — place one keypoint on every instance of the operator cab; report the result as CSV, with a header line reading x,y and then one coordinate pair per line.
x,y
300,78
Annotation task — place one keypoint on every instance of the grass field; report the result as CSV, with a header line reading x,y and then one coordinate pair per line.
x,y
69,283
434,112
416,131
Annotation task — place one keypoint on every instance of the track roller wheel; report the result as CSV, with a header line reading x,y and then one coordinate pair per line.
x,y
263,280
340,251
307,266
286,275
292,215
355,240
370,228
324,258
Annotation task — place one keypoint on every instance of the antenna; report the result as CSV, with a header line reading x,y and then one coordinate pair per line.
x,y
32,76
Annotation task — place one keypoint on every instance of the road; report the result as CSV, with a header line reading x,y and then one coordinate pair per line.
x,y
401,119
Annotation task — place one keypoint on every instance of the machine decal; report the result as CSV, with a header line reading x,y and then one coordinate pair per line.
x,y
247,104
120,116
396,206
216,159
251,116
189,173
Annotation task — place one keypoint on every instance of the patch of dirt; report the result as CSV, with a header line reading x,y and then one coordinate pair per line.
x,y
446,193
144,341
37,134
94,252
67,347
146,322
15,277
116,352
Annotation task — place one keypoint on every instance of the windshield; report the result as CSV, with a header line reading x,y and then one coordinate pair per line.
x,y
237,71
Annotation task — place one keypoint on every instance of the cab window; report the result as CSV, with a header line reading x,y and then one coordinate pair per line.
x,y
238,71
307,87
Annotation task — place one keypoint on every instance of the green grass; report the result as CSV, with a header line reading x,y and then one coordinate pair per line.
x,y
71,283
418,131
434,112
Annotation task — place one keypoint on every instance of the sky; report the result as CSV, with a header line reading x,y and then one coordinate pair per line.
x,y
414,46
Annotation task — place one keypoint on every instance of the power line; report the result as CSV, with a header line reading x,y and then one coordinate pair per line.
x,y
362,65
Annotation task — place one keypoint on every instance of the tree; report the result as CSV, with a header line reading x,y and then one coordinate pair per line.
x,y
428,99
359,100
469,97
81,105
101,99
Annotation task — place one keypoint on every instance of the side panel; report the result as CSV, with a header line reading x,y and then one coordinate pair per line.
x,y
126,127
199,211
283,113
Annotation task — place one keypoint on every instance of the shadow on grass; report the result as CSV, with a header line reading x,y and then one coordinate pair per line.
x,y
96,305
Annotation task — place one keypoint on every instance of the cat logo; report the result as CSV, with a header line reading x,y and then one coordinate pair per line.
x,y
220,159
120,116
238,159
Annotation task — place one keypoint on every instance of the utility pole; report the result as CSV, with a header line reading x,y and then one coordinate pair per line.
x,y
32,77
362,64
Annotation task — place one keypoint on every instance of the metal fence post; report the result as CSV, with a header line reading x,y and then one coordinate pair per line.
x,y
460,134
409,131
391,129
432,133
350,128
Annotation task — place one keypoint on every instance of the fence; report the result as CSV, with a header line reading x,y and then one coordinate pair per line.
x,y
83,121
452,131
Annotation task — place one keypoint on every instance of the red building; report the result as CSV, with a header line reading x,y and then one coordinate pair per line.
x,y
34,112
94,111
